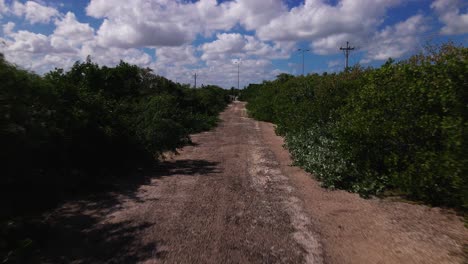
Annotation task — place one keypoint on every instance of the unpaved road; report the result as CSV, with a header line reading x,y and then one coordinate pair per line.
x,y
233,197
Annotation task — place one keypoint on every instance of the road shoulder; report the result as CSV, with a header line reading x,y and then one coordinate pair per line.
x,y
357,230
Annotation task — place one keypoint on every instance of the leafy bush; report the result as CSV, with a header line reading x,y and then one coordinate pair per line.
x,y
401,127
68,129
407,125
64,132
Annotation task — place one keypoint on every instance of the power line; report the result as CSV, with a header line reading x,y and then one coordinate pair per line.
x,y
347,50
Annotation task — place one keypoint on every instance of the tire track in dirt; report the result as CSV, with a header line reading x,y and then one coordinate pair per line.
x,y
356,230
266,174
233,197
222,200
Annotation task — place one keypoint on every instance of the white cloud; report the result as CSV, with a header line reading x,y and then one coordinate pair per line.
x,y
316,19
69,35
224,72
183,55
68,27
225,45
221,72
154,22
3,8
255,47
397,40
34,12
254,14
113,55
8,28
331,44
169,28
251,71
69,42
209,16
234,44
29,42
127,35
327,26
449,13
27,49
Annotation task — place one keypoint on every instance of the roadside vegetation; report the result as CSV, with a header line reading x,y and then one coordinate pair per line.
x,y
67,132
70,128
395,130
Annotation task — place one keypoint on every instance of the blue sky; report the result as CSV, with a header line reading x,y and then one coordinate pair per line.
x,y
177,38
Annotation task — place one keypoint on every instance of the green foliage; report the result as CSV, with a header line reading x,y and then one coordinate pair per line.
x,y
401,127
63,133
71,128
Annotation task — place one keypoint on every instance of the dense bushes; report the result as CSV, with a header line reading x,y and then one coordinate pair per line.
x,y
69,129
64,132
399,128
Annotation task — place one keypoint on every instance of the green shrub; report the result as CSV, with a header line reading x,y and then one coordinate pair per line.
x,y
407,125
401,127
71,128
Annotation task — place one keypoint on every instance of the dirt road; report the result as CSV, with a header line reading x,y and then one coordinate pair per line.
x,y
233,197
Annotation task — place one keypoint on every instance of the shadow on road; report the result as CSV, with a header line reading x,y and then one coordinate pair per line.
x,y
82,230
186,167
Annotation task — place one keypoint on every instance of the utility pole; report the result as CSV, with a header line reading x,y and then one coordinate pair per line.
x,y
238,71
195,76
347,50
303,51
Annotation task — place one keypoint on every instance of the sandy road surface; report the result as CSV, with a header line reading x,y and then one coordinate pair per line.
x,y
233,198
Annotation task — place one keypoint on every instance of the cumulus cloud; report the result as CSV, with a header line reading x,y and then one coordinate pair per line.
x,y
173,29
326,26
218,61
154,22
70,41
76,32
27,49
317,19
234,44
69,34
34,12
113,55
450,14
222,72
255,14
330,44
29,42
36,52
397,40
183,55
3,8
8,28
225,45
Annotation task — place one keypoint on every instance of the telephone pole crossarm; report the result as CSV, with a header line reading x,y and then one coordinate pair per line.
x,y
346,51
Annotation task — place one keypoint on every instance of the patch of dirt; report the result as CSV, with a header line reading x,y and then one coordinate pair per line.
x,y
232,197
356,230
222,200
